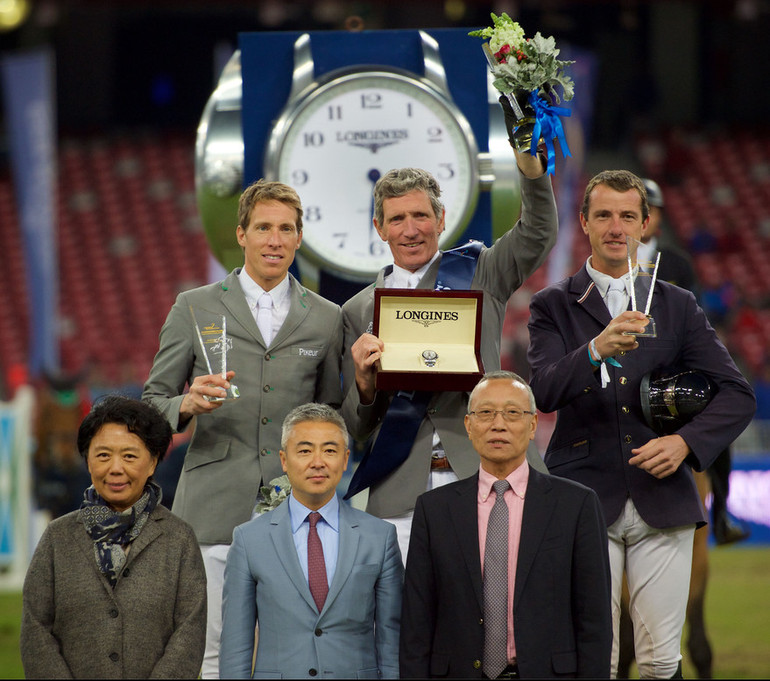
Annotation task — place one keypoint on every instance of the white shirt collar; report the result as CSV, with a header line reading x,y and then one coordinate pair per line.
x,y
399,277
253,291
298,513
602,280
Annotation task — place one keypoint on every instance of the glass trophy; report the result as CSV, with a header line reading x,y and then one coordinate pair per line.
x,y
211,330
643,264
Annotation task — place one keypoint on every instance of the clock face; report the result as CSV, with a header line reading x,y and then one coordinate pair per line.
x,y
336,143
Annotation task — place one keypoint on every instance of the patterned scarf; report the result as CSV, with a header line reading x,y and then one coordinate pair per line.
x,y
112,530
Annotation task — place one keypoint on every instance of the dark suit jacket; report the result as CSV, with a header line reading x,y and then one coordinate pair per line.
x,y
597,428
561,606
676,268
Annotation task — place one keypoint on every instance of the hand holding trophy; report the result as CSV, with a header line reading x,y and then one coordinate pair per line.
x,y
214,344
528,73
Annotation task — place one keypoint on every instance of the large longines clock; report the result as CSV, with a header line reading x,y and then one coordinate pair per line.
x,y
335,138
321,112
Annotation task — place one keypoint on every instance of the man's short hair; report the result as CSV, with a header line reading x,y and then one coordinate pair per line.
x,y
401,181
261,191
312,411
619,181
504,375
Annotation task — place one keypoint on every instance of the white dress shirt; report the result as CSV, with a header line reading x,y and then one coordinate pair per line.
x,y
279,293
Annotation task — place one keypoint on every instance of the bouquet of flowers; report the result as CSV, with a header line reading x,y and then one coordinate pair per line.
x,y
528,72
273,494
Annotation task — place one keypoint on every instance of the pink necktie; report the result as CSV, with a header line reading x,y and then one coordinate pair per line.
x,y
495,585
316,566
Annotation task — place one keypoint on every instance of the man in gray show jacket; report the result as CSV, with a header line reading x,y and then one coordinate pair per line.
x,y
410,217
291,358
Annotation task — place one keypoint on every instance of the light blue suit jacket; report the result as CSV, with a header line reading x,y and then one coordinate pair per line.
x,y
354,636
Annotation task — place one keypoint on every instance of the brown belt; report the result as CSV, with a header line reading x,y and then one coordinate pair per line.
x,y
439,463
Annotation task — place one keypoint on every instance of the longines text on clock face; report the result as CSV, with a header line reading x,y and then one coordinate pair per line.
x,y
346,135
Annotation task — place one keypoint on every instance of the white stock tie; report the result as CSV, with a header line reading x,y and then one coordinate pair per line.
x,y
414,279
616,298
265,317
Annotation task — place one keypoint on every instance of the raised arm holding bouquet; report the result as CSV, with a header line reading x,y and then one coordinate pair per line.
x,y
528,73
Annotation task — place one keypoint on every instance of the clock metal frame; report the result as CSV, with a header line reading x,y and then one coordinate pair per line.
x,y
308,93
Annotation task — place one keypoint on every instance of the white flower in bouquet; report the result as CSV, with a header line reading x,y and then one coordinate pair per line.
x,y
525,63
508,33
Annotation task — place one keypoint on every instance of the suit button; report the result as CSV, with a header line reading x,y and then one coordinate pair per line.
x,y
431,411
268,357
266,420
114,613
312,671
318,632
264,452
266,389
114,657
623,380
481,620
586,390
627,438
477,664
622,353
625,409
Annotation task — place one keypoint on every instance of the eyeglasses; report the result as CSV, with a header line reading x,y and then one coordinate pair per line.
x,y
508,414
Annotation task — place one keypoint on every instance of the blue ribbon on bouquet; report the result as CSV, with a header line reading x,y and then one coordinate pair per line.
x,y
549,127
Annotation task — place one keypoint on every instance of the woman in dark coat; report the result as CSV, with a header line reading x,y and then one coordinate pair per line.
x,y
116,589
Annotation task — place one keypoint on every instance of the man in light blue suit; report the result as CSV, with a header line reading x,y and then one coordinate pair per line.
x,y
321,579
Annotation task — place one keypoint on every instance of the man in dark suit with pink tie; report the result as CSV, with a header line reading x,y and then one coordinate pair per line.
x,y
507,573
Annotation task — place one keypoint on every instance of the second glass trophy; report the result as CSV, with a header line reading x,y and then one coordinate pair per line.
x,y
211,330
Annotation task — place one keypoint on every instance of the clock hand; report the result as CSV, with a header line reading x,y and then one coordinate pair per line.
x,y
373,176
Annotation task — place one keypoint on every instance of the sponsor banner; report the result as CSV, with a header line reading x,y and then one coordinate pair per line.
x,y
749,496
28,93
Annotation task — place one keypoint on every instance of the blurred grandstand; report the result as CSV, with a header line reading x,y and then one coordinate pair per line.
x,y
129,240
678,102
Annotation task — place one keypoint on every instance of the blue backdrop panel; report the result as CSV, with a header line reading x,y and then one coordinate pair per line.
x,y
749,498
267,63
28,89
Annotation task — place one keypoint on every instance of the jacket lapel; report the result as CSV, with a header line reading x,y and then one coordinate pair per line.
x,y
150,532
234,300
464,515
346,554
539,504
429,279
367,307
86,545
280,534
583,292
